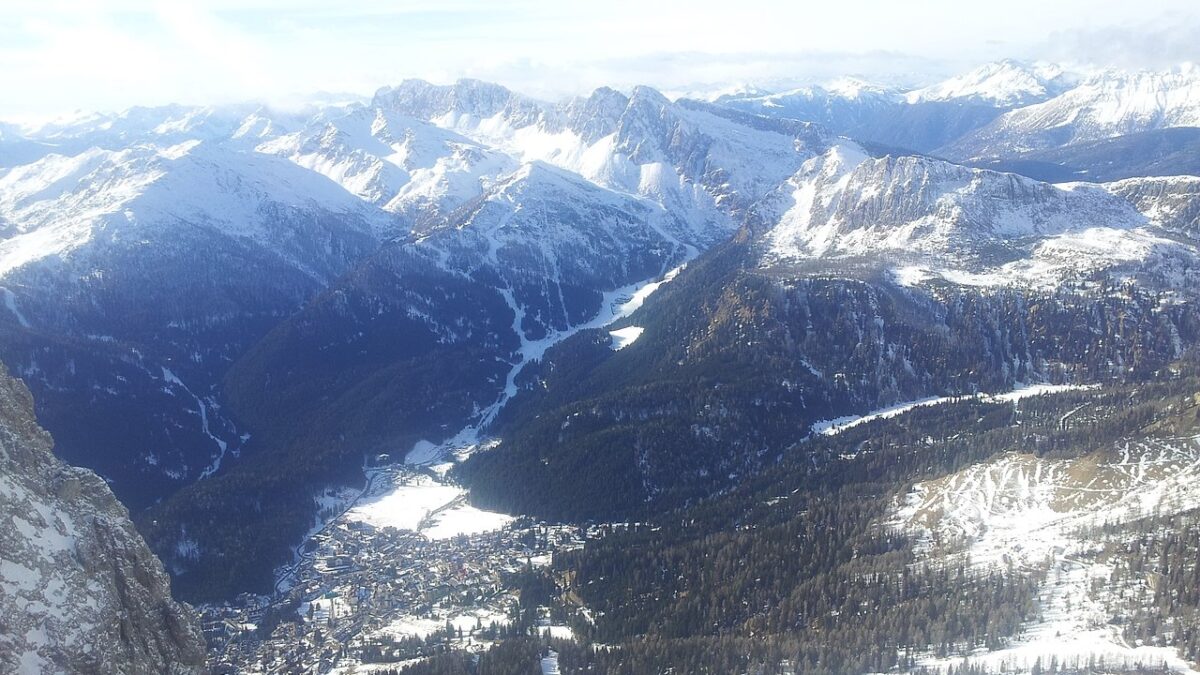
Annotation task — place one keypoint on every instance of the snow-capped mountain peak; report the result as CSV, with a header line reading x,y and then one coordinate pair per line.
x,y
464,102
1007,83
854,88
61,202
734,91
1106,105
966,226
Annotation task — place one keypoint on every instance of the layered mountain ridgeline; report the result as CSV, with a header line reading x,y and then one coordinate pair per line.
x,y
809,566
864,283
921,120
425,337
245,304
79,590
1102,106
1034,119
874,115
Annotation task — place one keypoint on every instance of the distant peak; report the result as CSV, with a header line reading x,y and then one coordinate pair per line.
x,y
643,94
607,94
1008,82
853,87
736,91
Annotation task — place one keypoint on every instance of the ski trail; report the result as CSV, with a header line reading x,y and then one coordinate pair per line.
x,y
616,304
222,446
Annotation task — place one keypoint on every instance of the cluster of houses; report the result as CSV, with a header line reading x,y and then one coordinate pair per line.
x,y
379,595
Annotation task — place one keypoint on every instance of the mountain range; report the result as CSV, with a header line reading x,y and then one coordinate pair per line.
x,y
616,308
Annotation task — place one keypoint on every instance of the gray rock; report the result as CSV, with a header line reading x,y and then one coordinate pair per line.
x,y
79,590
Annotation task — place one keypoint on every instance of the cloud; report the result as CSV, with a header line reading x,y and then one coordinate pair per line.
x,y
60,55
1160,42
698,72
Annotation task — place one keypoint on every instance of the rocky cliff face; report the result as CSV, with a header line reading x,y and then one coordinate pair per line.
x,y
79,590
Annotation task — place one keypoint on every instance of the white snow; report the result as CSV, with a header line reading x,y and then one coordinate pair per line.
x,y
355,667
925,219
406,505
10,303
202,408
1108,104
1019,511
423,452
837,425
401,164
623,337
424,626
615,304
60,202
911,275
323,607
1003,83
558,632
464,519
424,504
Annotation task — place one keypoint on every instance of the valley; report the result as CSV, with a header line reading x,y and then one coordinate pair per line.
x,y
850,377
392,567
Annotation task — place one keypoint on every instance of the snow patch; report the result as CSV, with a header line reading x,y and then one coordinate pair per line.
x,y
623,337
840,424
406,505
1021,511
464,519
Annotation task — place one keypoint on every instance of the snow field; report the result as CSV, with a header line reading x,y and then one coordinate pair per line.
x,y
1022,512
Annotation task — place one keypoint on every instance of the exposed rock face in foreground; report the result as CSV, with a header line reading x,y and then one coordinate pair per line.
x,y
79,590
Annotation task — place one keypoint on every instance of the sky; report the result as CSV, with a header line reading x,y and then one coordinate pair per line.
x,y
60,56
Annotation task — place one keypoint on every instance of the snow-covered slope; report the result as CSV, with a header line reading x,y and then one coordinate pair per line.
x,y
121,266
815,101
401,164
922,119
1029,513
1021,113
1005,83
701,162
549,243
1173,202
874,113
1105,105
932,220
160,126
57,204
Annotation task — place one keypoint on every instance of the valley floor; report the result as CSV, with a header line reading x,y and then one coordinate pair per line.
x,y
406,569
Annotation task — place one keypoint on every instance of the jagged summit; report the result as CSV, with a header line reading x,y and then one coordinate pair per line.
x,y
1105,105
933,219
473,99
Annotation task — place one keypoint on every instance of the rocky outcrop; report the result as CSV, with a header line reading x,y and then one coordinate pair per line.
x,y
80,592
1173,201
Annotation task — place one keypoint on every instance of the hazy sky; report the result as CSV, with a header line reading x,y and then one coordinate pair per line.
x,y
58,56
